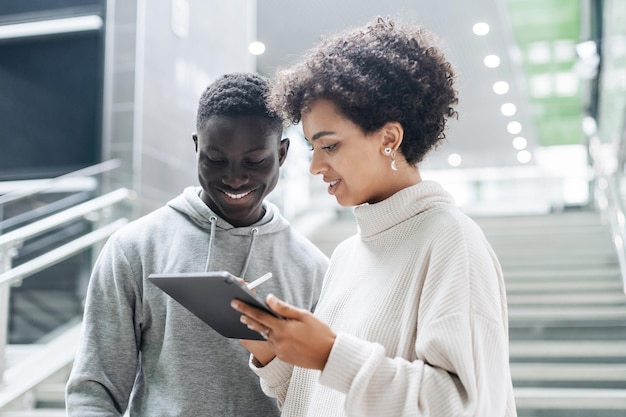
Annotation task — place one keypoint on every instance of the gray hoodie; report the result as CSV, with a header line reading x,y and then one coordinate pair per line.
x,y
143,350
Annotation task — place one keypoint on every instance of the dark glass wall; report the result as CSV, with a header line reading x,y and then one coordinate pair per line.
x,y
14,7
50,94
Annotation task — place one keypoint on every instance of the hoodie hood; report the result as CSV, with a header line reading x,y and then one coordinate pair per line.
x,y
193,208
189,204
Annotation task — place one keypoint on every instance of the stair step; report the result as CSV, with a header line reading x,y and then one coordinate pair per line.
x,y
51,363
570,399
568,372
591,274
553,263
580,299
51,393
514,287
567,349
569,313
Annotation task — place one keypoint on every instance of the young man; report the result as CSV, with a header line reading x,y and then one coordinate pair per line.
x,y
141,351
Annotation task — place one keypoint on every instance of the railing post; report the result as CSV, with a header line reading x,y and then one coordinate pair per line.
x,y
5,265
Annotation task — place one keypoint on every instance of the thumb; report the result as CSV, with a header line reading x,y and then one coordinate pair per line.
x,y
282,308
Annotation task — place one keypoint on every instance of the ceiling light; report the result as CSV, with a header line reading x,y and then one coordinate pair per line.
x,y
508,109
586,49
51,27
566,84
541,85
539,53
481,29
589,125
603,202
514,127
256,48
520,143
454,159
501,87
524,157
492,61
564,50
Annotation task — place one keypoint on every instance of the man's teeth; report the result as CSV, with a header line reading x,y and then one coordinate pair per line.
x,y
237,196
333,183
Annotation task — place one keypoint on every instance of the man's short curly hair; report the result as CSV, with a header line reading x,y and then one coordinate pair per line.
x,y
381,72
237,94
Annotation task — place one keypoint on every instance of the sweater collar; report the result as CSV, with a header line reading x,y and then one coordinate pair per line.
x,y
373,219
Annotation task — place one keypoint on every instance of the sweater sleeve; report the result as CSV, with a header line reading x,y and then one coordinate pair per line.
x,y
275,378
459,373
106,362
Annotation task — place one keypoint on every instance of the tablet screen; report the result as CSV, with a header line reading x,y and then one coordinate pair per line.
x,y
208,296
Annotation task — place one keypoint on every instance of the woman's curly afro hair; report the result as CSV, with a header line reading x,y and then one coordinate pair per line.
x,y
379,73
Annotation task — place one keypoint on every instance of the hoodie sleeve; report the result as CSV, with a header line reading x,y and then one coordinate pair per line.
x,y
106,362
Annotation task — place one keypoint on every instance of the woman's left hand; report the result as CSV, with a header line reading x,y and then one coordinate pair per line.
x,y
301,339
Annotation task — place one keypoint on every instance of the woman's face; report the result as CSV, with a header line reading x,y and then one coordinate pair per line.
x,y
351,162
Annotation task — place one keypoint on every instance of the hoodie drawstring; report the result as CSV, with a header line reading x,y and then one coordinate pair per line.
x,y
213,221
253,232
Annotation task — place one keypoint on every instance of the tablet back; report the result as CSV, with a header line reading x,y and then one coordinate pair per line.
x,y
208,296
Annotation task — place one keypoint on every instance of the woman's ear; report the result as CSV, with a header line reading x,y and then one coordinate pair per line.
x,y
392,135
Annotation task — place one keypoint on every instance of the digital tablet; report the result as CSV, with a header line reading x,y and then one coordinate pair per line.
x,y
208,296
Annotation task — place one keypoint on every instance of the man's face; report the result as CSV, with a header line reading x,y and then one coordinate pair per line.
x,y
238,160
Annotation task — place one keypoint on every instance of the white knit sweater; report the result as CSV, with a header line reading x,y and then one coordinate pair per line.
x,y
418,303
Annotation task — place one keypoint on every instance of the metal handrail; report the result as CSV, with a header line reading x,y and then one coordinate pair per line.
x,y
617,221
10,241
81,210
59,254
46,184
40,263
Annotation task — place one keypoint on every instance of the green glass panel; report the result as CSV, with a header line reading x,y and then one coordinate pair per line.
x,y
540,27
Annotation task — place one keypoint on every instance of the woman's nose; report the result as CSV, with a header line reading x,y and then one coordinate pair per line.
x,y
317,166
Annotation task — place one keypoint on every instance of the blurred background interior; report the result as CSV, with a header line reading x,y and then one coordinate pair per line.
x,y
97,107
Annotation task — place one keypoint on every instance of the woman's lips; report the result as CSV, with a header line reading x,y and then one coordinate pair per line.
x,y
332,186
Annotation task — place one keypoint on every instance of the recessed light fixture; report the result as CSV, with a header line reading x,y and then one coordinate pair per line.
x,y
520,143
524,157
454,159
508,109
500,87
514,127
481,29
256,48
589,125
492,61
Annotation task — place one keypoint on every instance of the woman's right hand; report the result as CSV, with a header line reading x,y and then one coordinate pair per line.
x,y
261,349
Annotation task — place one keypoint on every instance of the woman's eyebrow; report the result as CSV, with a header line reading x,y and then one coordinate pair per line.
x,y
320,134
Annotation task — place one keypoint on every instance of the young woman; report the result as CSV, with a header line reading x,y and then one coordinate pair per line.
x,y
412,320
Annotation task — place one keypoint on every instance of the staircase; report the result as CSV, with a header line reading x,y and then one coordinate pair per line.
x,y
567,313
567,310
